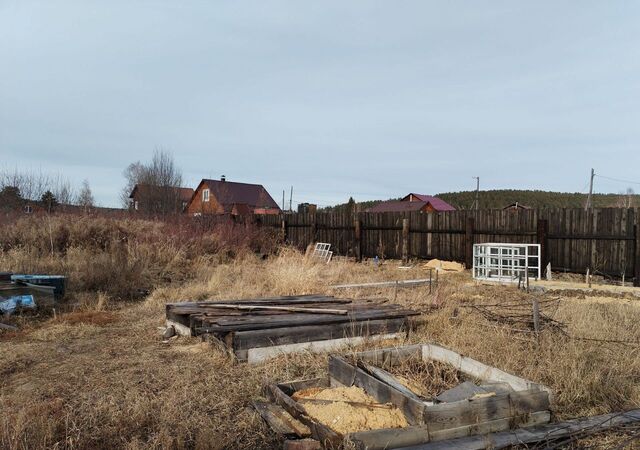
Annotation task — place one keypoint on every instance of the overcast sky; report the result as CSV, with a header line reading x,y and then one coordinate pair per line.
x,y
337,98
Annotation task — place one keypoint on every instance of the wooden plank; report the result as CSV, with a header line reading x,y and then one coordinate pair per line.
x,y
301,444
280,421
417,436
293,335
531,435
255,323
321,432
388,378
261,354
389,357
468,412
476,369
280,308
416,282
350,375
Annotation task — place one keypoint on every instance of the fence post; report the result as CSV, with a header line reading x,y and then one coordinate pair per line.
x,y
636,263
405,240
357,224
542,233
284,230
314,229
468,242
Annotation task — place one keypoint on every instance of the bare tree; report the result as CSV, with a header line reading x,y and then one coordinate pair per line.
x,y
85,196
157,184
626,199
33,184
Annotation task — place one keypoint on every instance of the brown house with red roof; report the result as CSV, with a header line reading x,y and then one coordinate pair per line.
x,y
413,203
159,199
228,197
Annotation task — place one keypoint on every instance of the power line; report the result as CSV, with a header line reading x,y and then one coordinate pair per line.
x,y
617,179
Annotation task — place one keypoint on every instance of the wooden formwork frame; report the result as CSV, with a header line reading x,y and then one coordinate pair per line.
x,y
526,404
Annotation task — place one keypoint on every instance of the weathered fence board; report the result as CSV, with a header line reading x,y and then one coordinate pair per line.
x,y
603,240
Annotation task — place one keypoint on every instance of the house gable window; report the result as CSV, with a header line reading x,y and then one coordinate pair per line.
x,y
205,195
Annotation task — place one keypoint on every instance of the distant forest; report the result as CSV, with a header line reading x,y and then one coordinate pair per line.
x,y
499,198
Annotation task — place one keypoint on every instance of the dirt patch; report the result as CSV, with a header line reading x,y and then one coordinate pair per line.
x,y
343,417
99,318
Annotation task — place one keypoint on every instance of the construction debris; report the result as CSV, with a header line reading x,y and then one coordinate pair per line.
x,y
522,316
254,330
502,402
549,434
16,302
322,251
444,266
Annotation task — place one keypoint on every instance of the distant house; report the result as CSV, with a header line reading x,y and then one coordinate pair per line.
x,y
159,199
413,203
516,206
228,197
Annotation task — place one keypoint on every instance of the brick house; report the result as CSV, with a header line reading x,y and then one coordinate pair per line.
x,y
228,197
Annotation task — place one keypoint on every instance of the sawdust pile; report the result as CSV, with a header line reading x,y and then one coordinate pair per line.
x,y
444,266
343,417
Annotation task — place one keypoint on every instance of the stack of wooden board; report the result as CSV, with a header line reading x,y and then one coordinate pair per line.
x,y
258,329
501,402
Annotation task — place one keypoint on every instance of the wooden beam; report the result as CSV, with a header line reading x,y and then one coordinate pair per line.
x,y
280,421
258,355
279,308
531,435
416,282
269,337
420,435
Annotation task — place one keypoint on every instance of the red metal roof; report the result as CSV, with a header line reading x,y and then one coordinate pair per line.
x,y
230,192
438,204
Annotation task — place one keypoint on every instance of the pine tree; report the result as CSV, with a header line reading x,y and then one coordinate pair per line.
x,y
49,201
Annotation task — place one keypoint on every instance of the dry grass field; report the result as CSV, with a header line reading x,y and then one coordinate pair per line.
x,y
98,375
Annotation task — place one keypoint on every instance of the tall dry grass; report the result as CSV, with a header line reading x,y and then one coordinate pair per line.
x,y
102,378
122,257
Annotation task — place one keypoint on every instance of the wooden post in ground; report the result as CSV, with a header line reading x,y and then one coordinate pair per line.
x,y
542,233
468,242
357,224
636,262
405,240
284,230
536,317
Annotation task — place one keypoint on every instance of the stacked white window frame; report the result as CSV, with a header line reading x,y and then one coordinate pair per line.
x,y
505,262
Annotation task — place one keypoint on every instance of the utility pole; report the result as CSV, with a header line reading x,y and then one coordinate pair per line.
x,y
589,200
477,200
283,200
291,200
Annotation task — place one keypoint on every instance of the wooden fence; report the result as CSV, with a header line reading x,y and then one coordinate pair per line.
x,y
605,240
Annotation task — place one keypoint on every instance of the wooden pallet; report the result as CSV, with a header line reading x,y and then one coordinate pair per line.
x,y
254,330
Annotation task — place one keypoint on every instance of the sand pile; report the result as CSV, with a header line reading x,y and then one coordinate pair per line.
x,y
345,417
444,266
